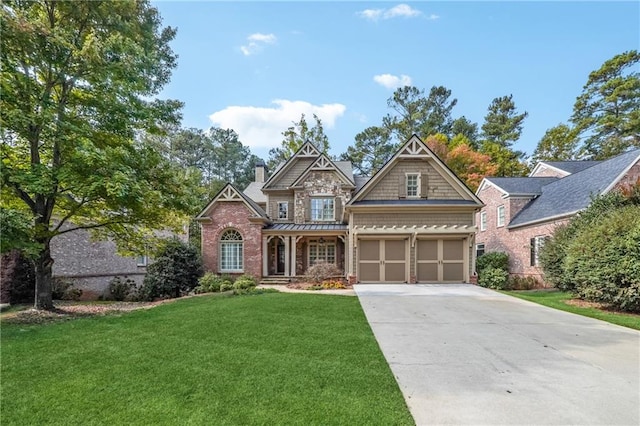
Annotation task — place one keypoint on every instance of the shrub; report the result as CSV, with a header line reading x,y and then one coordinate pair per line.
x,y
174,272
493,278
226,285
120,290
62,289
552,257
494,259
604,259
18,278
322,271
517,282
333,284
244,282
209,283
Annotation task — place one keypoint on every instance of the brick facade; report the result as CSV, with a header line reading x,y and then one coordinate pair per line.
x,y
232,215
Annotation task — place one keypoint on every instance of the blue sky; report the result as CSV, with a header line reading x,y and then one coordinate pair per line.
x,y
256,66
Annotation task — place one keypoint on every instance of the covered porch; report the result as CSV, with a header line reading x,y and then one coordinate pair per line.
x,y
288,250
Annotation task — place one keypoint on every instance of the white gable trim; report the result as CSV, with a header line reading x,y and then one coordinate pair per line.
x,y
323,163
227,194
307,150
542,164
486,183
415,148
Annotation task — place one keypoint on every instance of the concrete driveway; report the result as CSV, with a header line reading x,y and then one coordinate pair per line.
x,y
466,355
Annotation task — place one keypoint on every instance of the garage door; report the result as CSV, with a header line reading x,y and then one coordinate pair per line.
x,y
440,260
382,261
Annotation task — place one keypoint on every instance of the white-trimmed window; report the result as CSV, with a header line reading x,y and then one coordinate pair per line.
x,y
142,260
413,185
322,209
483,221
500,216
320,251
283,210
536,245
231,245
479,250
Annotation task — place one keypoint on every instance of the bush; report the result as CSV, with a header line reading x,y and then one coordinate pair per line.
x,y
18,278
604,259
174,272
333,284
62,289
493,278
226,285
494,259
517,282
244,282
121,290
209,283
322,271
552,257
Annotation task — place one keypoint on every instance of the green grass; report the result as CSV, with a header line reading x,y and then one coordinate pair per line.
x,y
557,300
265,359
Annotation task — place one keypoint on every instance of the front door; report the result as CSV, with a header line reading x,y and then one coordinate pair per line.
x,y
280,254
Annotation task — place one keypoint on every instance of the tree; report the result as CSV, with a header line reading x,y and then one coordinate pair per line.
x,y
409,104
231,161
438,109
607,113
78,84
470,166
502,124
462,126
559,143
295,136
371,151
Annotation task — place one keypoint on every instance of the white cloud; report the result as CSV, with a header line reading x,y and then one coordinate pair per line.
x,y
401,10
262,127
256,43
392,81
433,17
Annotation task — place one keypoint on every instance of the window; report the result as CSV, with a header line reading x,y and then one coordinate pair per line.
x,y
413,185
500,215
142,260
479,250
322,208
319,251
283,210
536,245
231,251
483,221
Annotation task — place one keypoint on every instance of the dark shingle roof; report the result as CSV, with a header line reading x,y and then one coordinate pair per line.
x,y
521,185
574,192
360,181
572,166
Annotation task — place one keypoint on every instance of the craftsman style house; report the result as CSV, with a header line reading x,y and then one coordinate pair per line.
x,y
520,213
413,221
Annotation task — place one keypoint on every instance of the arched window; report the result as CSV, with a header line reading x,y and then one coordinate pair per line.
x,y
231,251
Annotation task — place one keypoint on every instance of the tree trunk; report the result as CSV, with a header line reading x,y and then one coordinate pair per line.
x,y
44,278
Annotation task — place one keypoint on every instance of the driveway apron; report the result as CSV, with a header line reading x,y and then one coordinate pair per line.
x,y
466,355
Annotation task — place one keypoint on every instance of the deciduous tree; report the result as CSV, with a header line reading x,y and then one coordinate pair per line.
x,y
559,143
295,136
79,81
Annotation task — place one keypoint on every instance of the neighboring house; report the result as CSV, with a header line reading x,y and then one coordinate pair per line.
x,y
413,221
91,264
520,213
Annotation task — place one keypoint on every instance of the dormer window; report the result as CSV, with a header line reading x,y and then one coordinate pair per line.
x,y
283,210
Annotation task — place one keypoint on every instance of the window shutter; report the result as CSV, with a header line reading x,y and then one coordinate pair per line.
x,y
424,186
337,209
533,252
307,209
402,187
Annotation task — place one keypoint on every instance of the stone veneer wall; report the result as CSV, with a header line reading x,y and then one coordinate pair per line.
x,y
316,184
227,215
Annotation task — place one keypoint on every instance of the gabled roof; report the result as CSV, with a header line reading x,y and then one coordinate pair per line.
x,y
231,193
306,150
415,148
573,193
324,163
254,192
564,167
517,186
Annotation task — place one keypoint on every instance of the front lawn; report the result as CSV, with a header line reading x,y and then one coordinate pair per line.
x,y
559,299
259,359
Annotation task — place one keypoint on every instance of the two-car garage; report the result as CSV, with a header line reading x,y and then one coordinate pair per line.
x,y
408,259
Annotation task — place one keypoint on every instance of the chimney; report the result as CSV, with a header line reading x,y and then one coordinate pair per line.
x,y
261,171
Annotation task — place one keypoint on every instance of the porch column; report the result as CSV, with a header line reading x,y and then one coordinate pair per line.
x,y
265,257
287,256
293,255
